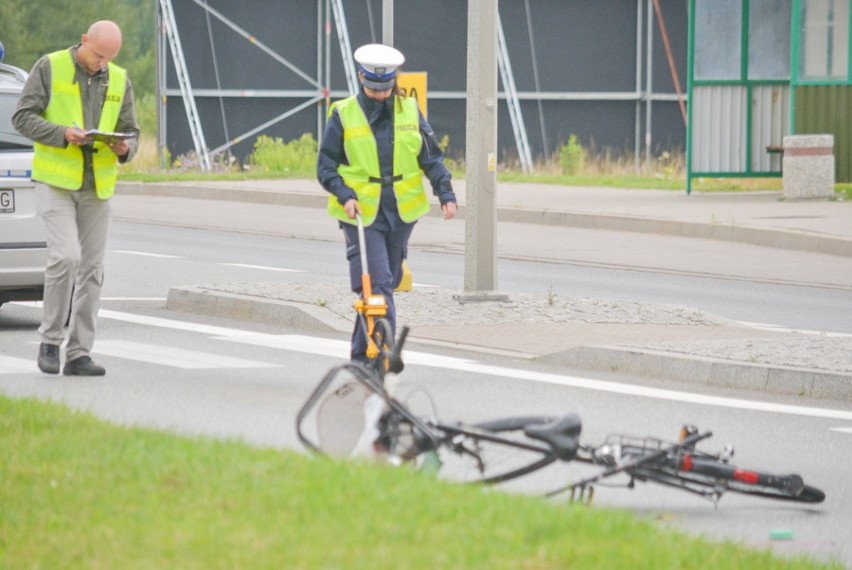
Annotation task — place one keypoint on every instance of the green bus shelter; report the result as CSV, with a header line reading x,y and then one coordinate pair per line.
x,y
762,69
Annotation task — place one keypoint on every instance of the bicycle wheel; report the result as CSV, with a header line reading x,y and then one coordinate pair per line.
x,y
491,452
709,475
382,337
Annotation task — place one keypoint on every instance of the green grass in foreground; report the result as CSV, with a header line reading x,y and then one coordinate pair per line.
x,y
76,492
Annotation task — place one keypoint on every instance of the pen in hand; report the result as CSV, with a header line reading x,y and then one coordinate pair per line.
x,y
78,137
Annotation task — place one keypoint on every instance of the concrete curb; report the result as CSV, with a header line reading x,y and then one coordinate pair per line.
x,y
799,241
200,301
703,371
202,192
678,367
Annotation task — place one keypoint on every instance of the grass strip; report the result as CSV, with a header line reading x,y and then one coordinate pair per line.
x,y
78,492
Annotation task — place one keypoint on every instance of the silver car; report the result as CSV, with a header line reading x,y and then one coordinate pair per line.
x,y
23,249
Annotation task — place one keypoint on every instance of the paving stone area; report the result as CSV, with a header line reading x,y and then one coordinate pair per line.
x,y
435,307
815,352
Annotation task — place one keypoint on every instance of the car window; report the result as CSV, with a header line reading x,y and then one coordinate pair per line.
x,y
9,138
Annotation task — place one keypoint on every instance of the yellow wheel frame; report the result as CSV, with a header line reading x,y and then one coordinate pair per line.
x,y
369,306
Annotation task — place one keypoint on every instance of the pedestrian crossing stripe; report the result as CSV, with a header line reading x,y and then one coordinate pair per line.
x,y
170,356
12,365
143,352
336,348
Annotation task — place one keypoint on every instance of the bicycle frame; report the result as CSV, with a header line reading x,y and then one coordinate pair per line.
x,y
631,465
397,435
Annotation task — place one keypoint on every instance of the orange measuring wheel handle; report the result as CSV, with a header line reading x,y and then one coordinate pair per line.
x,y
370,306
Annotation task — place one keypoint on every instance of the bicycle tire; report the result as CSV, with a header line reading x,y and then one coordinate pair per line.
x,y
383,334
803,494
383,338
698,470
808,494
491,452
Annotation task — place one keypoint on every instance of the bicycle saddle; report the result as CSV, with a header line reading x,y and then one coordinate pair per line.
x,y
561,435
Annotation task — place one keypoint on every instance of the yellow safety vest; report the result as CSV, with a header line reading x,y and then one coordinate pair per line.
x,y
363,173
63,167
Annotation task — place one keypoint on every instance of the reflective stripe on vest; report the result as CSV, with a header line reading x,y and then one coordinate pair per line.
x,y
363,171
63,167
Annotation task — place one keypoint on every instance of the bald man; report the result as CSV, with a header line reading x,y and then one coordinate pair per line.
x,y
68,93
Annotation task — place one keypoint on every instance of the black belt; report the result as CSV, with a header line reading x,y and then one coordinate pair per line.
x,y
385,180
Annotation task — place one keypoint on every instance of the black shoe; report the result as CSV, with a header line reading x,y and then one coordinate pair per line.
x,y
83,366
48,358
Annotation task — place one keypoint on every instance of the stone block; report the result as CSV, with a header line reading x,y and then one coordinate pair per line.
x,y
808,167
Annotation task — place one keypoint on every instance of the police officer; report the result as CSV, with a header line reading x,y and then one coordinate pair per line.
x,y
374,152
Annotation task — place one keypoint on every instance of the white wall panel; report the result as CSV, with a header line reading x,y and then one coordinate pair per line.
x,y
770,122
718,128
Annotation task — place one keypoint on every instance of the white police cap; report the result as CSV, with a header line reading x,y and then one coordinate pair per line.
x,y
378,64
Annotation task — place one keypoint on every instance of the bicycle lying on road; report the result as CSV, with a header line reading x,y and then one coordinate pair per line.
x,y
355,411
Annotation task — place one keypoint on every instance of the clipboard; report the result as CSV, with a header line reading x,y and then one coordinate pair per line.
x,y
106,137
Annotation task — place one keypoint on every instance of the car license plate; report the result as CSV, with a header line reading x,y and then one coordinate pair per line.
x,y
7,201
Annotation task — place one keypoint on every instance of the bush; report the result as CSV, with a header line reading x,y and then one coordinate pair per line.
x,y
452,164
572,157
295,158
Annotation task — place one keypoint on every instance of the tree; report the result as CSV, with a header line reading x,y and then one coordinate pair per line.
x,y
32,28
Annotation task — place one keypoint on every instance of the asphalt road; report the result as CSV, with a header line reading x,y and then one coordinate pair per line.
x,y
198,375
745,298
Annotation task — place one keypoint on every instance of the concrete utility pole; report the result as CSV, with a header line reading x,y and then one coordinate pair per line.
x,y
480,257
387,22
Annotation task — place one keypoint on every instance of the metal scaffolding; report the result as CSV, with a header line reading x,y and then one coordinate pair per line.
x,y
195,127
317,84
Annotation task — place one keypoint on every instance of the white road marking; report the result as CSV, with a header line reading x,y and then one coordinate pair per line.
x,y
659,393
133,299
169,323
843,430
146,254
169,356
317,345
779,328
12,365
337,348
294,343
263,267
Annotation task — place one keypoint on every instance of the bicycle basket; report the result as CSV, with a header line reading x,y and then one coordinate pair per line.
x,y
338,417
341,419
346,415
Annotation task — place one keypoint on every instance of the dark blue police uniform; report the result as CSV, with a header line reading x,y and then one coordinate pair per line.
x,y
386,239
